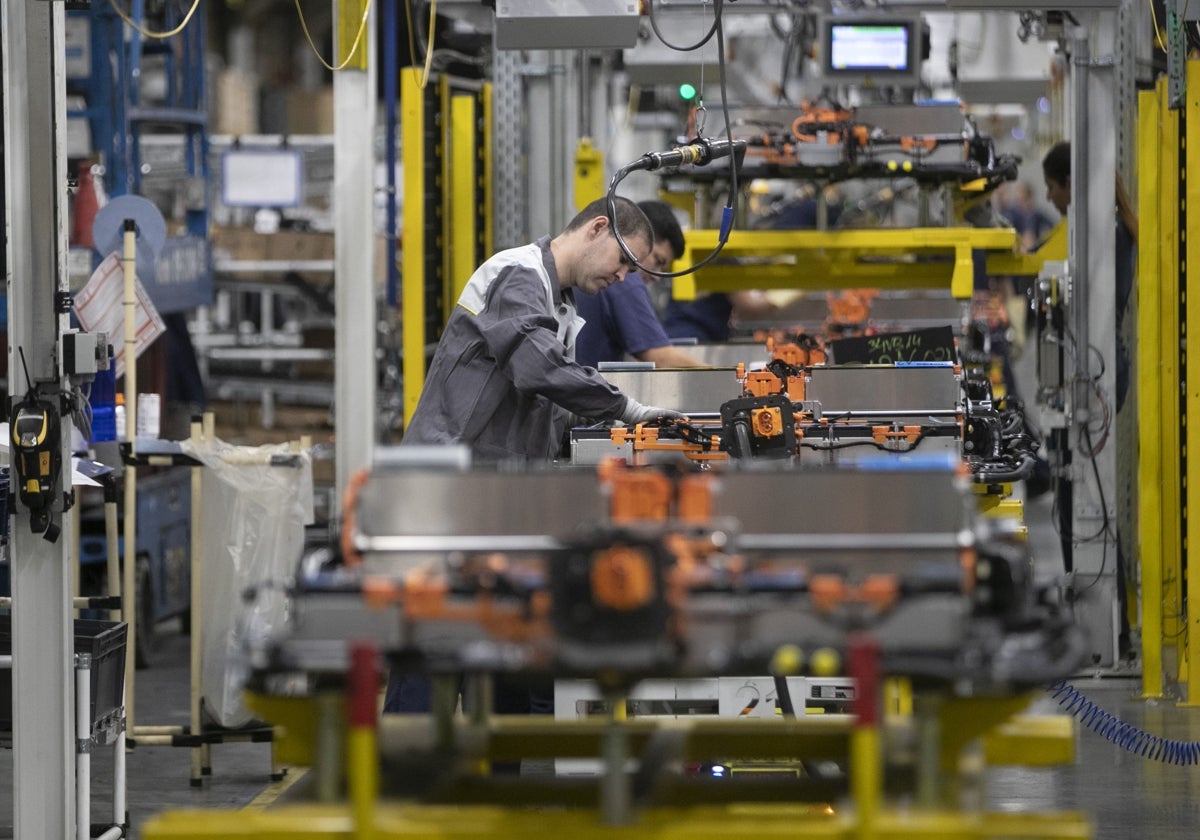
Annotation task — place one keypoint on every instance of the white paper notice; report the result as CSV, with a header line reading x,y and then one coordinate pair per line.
x,y
100,308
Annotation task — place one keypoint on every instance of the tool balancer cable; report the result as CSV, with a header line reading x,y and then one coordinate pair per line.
x,y
1124,735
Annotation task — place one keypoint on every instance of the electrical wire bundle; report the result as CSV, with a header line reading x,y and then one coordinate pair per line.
x,y
1124,735
1012,443
729,212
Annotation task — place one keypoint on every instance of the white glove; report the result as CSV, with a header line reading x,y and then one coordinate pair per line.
x,y
635,413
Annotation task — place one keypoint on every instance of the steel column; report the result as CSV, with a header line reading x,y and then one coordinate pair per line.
x,y
508,116
1093,326
35,184
354,234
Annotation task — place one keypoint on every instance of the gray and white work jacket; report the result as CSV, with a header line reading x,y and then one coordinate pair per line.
x,y
503,378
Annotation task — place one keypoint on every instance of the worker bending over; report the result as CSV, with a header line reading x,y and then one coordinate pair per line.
x,y
504,377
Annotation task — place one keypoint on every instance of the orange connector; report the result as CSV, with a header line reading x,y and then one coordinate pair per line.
x,y
640,495
829,592
883,435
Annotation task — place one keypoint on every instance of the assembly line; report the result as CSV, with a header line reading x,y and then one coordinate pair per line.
x,y
679,419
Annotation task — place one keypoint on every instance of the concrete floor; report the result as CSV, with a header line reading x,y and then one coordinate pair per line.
x,y
1124,796
158,778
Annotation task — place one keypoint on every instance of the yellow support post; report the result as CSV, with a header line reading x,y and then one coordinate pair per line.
x,y
1169,359
1149,397
897,697
963,719
589,173
1189,258
962,280
866,742
1055,246
866,777
362,748
487,173
1031,741
462,191
412,286
444,187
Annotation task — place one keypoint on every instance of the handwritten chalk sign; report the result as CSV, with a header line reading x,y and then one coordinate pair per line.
x,y
935,344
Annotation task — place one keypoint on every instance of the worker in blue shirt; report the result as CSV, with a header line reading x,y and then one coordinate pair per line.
x,y
712,317
621,320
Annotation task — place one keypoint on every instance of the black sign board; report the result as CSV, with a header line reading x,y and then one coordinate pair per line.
x,y
935,344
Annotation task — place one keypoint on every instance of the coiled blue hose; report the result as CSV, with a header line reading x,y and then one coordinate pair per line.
x,y
1124,735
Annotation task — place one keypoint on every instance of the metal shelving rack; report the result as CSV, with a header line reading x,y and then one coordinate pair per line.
x,y
254,329
121,113
141,76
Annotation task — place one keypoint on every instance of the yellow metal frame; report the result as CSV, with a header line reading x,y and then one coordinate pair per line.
x,y
807,259
1152,299
363,815
444,126
1004,507
866,773
1190,257
415,822
412,287
1054,247
589,173
1168,446
1170,356
465,166
1031,741
462,182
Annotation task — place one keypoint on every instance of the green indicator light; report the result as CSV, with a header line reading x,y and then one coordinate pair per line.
x,y
686,91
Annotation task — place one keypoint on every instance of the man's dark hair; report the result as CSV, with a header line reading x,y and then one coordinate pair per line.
x,y
666,226
1056,165
630,220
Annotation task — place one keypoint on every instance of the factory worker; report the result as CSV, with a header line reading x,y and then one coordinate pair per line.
x,y
1056,170
713,316
621,319
504,377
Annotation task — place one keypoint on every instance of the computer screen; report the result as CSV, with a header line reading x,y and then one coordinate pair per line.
x,y
869,47
872,50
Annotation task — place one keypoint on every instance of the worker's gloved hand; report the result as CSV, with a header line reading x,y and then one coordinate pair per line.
x,y
635,413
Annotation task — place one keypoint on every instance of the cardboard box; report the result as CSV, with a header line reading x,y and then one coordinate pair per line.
x,y
236,243
310,111
293,245
381,260
289,245
237,103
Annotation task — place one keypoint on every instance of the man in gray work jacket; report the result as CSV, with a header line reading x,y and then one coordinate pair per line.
x,y
504,377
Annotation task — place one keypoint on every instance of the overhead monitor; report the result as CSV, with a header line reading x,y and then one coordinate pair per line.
x,y
872,50
262,178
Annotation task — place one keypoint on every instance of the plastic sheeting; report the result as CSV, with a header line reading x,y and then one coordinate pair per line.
x,y
255,504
